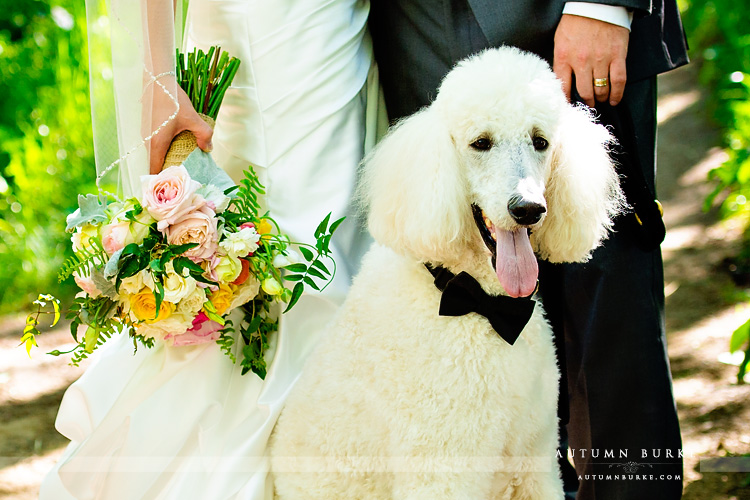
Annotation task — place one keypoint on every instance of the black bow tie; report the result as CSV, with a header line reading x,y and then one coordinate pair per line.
x,y
462,294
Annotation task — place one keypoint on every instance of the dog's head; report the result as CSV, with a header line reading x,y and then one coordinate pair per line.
x,y
499,166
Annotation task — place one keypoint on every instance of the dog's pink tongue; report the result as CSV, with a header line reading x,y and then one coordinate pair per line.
x,y
517,268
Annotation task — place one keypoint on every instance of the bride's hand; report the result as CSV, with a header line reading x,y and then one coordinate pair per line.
x,y
187,119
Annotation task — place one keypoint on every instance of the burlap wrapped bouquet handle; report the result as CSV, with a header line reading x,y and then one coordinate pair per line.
x,y
183,144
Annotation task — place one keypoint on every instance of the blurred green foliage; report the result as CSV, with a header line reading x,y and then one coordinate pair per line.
x,y
46,151
719,32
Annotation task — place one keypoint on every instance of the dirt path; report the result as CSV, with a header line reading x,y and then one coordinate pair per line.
x,y
703,305
703,308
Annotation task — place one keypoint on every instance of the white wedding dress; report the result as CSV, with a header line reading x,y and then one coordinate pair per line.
x,y
181,422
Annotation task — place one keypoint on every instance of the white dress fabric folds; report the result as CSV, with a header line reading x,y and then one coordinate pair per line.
x,y
181,422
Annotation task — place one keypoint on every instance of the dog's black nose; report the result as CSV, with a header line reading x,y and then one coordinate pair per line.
x,y
525,212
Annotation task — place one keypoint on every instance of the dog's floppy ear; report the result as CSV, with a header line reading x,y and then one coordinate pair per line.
x,y
414,190
583,192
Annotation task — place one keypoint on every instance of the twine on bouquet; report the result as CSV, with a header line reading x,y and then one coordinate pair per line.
x,y
183,144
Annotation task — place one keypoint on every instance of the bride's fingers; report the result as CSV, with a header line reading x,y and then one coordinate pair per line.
x,y
159,146
203,134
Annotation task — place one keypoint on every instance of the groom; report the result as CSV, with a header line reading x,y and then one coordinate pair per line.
x,y
607,313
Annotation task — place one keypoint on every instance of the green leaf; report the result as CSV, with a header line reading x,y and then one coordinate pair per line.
x,y
323,225
316,273
293,277
131,249
296,294
156,265
296,268
310,282
182,263
739,337
91,210
335,225
130,266
307,253
176,250
74,329
321,266
158,295
255,324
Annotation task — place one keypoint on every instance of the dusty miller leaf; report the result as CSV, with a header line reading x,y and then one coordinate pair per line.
x,y
202,168
91,210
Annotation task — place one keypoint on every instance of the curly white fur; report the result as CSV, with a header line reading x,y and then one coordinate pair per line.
x,y
398,402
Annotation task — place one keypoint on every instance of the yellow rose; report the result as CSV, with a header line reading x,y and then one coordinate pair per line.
x,y
143,307
221,299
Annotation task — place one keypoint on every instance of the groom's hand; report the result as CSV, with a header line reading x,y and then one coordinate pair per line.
x,y
588,49
187,119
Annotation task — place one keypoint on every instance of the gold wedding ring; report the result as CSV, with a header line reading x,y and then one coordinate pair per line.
x,y
601,82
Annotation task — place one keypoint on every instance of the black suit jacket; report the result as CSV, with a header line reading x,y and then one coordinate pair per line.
x,y
418,41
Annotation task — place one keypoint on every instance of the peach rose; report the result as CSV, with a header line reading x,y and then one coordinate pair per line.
x,y
170,194
86,283
196,227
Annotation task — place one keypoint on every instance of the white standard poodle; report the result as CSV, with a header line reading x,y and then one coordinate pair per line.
x,y
401,402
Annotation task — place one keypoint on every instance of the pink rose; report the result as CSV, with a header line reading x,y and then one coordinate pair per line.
x,y
196,227
86,283
203,330
115,236
170,194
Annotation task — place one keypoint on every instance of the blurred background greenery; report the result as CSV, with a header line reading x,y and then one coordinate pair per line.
x,y
46,153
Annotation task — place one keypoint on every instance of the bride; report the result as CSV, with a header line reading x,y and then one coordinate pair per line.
x,y
181,422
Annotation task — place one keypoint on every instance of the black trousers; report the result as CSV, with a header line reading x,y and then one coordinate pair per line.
x,y
607,314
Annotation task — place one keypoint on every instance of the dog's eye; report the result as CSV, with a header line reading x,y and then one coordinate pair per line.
x,y
540,143
482,144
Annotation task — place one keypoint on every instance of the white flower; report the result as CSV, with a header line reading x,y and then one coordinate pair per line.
x,y
281,260
214,196
241,243
177,287
135,284
192,303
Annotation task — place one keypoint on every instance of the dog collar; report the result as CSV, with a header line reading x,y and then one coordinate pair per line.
x,y
462,294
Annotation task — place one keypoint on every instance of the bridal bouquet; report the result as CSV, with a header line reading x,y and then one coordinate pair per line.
x,y
170,264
